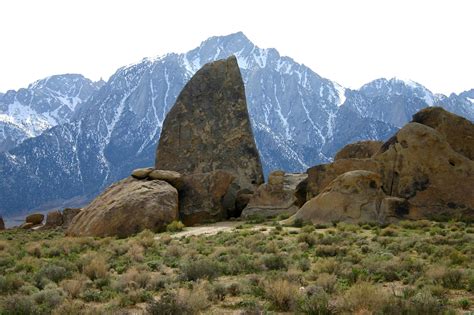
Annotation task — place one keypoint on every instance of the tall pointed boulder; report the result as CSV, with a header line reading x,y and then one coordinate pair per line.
x,y
209,128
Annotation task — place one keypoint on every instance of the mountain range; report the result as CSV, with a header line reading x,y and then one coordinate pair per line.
x,y
66,138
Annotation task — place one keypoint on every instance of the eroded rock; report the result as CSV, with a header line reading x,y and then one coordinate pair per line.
x,y
126,208
209,129
359,150
275,197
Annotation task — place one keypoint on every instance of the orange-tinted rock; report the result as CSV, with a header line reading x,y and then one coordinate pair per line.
x,y
359,150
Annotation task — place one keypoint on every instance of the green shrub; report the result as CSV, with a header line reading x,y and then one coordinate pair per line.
x,y
52,272
175,226
274,262
19,305
315,303
282,294
199,269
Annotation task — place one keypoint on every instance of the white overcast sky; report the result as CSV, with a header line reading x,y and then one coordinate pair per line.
x,y
350,42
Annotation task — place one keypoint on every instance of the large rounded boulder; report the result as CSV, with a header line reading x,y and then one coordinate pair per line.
x,y
354,196
420,165
126,208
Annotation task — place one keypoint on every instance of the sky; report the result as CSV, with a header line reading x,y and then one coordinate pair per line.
x,y
350,42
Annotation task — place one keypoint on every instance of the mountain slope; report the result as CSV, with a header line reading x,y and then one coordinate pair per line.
x,y
26,113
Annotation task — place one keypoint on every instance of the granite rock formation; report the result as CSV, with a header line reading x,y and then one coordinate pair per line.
x,y
201,197
128,207
209,128
275,197
354,196
359,150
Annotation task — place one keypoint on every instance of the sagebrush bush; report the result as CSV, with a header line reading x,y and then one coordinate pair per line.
x,y
175,226
364,296
97,268
282,293
200,269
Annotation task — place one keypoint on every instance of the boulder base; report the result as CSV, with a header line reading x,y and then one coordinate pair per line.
x,y
128,207
2,224
54,219
275,197
68,215
201,197
354,197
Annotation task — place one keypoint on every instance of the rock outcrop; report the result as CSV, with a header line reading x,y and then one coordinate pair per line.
x,y
209,129
354,196
458,131
359,150
54,219
201,197
320,176
275,197
35,218
128,207
425,171
419,165
2,224
68,216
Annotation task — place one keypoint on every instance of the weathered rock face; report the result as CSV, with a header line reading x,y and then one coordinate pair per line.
x,y
275,197
209,129
68,215
354,196
201,197
54,219
458,131
359,150
419,165
2,224
35,218
128,207
320,176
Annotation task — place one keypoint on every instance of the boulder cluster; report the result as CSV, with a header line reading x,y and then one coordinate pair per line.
x,y
207,163
425,171
208,169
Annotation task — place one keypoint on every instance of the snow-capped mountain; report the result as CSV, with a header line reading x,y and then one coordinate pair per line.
x,y
26,113
299,119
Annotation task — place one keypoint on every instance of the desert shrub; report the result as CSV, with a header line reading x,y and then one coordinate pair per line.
x,y
95,295
10,283
132,297
49,298
74,287
364,296
217,292
327,282
465,304
449,278
250,307
3,246
203,268
234,289
298,222
304,264
182,302
175,226
136,252
34,249
282,293
389,231
274,262
52,272
329,250
70,307
19,305
315,303
133,278
97,268
146,238
307,238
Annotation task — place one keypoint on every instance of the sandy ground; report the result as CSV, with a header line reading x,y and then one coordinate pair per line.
x,y
224,226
